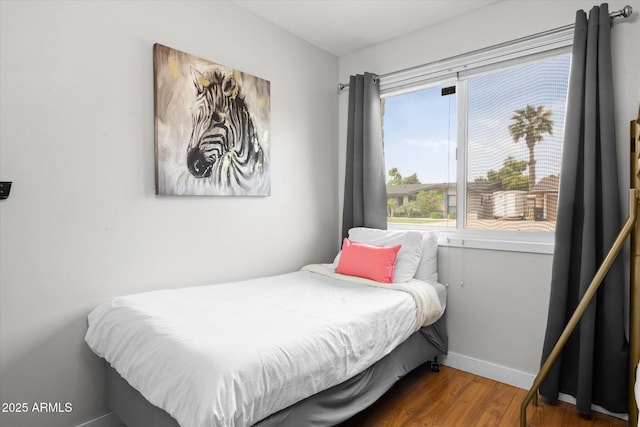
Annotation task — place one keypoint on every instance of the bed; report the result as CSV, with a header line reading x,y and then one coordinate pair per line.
x,y
311,347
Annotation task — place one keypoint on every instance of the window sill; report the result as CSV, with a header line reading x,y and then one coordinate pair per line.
x,y
497,241
527,242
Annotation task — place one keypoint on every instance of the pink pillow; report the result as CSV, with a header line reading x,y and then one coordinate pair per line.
x,y
368,261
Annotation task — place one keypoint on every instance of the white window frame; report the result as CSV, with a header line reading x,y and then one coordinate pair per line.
x,y
456,70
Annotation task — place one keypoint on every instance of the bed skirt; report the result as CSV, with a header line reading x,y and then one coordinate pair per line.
x,y
327,408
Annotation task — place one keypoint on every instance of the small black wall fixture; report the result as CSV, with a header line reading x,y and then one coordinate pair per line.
x,y
5,188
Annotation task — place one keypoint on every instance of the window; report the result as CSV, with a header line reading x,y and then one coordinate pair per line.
x,y
515,122
477,152
420,149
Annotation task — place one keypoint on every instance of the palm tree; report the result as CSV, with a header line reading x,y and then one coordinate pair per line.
x,y
531,123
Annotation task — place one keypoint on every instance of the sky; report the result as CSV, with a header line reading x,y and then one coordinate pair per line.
x,y
420,133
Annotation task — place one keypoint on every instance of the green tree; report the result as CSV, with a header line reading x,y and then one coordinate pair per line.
x,y
428,201
412,179
510,175
392,205
531,123
408,209
397,179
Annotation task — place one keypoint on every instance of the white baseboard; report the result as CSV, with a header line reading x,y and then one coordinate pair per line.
x,y
490,370
107,420
509,376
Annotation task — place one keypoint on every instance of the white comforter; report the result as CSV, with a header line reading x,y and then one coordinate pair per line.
x,y
232,354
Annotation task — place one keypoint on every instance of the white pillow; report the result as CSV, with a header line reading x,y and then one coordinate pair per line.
x,y
410,251
428,268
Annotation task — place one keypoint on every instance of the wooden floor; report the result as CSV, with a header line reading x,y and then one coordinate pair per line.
x,y
452,398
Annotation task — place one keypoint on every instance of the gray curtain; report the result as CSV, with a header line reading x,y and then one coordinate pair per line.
x,y
594,365
365,191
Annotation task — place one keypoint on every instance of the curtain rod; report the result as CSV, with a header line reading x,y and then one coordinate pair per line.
x,y
625,12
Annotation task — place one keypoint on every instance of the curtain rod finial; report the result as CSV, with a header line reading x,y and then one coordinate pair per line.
x,y
625,12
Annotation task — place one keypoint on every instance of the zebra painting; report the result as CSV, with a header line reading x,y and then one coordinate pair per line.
x,y
224,146
212,128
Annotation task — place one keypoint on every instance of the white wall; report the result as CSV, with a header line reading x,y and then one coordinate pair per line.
x,y
498,316
83,224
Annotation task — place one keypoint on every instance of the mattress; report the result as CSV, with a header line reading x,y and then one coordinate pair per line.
x,y
327,408
233,354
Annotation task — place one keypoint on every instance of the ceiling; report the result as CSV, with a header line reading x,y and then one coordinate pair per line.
x,y
345,26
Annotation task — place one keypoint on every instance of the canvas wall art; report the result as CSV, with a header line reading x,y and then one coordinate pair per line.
x,y
212,127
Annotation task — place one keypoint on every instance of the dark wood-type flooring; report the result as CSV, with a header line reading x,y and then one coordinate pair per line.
x,y
452,398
